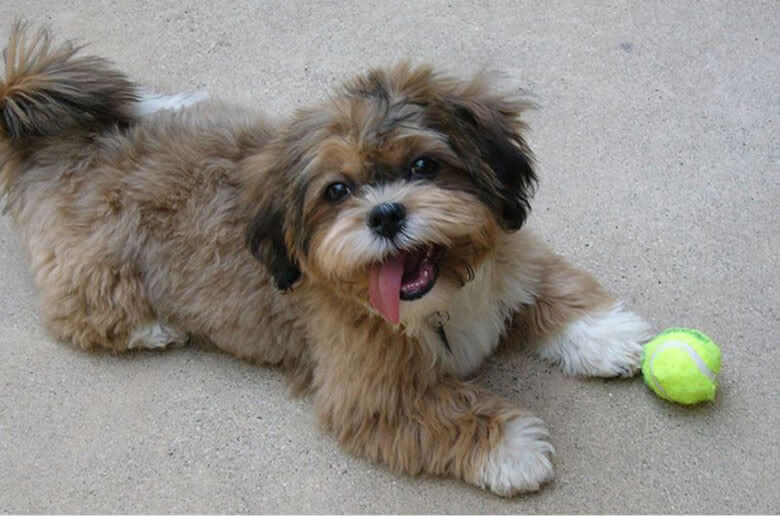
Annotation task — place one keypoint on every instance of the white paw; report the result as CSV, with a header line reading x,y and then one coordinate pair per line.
x,y
156,336
521,460
602,344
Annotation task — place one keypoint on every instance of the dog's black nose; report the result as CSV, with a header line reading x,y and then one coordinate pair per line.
x,y
387,219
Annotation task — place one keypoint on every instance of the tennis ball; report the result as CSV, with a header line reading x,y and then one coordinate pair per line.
x,y
681,365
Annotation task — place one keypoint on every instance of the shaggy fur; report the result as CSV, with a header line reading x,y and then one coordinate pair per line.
x,y
150,220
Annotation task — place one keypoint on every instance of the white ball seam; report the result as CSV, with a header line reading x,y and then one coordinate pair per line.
x,y
700,364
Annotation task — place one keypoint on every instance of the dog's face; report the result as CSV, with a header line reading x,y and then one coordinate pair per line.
x,y
392,192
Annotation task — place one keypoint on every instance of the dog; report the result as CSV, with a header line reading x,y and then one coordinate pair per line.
x,y
372,246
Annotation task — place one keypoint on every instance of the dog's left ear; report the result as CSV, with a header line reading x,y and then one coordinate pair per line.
x,y
265,239
485,132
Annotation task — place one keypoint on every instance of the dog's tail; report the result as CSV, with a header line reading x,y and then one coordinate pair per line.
x,y
50,90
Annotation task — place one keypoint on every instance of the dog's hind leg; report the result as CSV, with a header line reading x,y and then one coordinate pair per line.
x,y
157,335
101,306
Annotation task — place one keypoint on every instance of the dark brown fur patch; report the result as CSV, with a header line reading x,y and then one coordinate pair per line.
x,y
49,90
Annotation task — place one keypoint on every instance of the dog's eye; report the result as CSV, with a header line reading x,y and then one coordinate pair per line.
x,y
424,167
337,192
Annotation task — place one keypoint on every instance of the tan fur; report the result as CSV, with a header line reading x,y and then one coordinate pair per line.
x,y
562,292
381,401
565,293
143,221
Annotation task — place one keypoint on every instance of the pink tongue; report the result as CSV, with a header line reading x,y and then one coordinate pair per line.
x,y
384,287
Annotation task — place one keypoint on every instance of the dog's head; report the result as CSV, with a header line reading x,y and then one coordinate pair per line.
x,y
394,190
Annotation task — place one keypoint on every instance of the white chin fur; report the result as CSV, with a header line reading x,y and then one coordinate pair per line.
x,y
521,460
476,315
153,102
605,344
413,312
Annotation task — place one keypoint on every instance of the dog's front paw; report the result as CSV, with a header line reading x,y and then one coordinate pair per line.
x,y
520,462
605,344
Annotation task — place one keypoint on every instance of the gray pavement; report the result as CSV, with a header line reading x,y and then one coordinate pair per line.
x,y
657,141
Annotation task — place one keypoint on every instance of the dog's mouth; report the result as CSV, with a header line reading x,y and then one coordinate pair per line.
x,y
405,276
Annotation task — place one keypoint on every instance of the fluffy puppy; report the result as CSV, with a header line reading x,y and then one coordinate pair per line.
x,y
372,247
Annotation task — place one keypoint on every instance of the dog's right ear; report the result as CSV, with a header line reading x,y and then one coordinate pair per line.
x,y
265,239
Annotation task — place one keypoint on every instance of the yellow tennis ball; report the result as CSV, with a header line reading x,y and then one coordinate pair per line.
x,y
681,365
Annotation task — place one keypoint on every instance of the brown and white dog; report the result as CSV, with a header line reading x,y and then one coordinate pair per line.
x,y
372,246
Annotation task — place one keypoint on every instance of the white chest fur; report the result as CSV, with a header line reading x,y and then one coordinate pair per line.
x,y
478,317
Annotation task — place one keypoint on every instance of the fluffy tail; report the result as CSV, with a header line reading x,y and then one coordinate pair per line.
x,y
49,90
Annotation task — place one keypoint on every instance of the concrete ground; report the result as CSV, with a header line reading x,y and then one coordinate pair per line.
x,y
657,141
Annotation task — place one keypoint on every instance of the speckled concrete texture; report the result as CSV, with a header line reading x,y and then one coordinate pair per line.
x,y
657,143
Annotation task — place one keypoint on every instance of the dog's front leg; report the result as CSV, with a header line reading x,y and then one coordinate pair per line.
x,y
385,402
572,319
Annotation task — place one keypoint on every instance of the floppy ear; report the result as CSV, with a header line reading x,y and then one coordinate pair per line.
x,y
510,160
484,132
265,239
